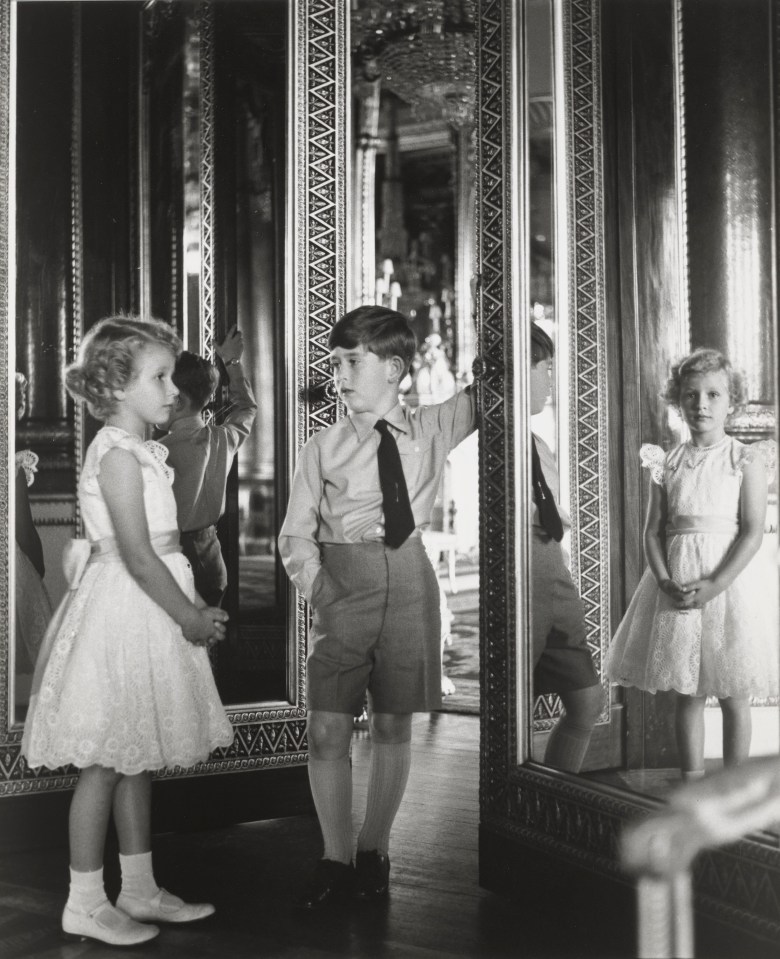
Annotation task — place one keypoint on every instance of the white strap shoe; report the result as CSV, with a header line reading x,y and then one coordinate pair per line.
x,y
106,924
163,907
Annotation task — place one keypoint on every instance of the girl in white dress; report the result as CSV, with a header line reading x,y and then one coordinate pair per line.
x,y
123,683
704,618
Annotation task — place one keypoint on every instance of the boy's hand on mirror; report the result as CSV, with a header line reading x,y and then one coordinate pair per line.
x,y
232,346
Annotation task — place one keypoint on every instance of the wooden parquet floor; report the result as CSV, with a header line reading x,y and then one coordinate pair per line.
x,y
435,910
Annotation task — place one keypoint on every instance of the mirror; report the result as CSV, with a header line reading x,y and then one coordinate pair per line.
x,y
120,193
96,224
413,216
620,295
660,305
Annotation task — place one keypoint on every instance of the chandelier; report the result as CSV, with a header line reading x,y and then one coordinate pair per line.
x,y
421,51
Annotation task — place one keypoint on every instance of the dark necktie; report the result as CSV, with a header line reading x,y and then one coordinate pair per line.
x,y
399,521
549,516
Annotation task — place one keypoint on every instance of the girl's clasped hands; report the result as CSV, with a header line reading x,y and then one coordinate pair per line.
x,y
689,595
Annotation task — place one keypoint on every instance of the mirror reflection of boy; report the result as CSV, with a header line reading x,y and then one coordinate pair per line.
x,y
351,542
561,659
202,454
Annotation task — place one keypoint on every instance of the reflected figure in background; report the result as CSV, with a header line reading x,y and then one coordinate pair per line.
x,y
351,543
202,454
33,606
704,618
123,684
562,662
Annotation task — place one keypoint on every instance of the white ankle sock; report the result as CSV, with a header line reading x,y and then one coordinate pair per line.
x,y
331,789
86,891
137,875
387,779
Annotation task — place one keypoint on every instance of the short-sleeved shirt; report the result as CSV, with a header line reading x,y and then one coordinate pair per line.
x,y
336,497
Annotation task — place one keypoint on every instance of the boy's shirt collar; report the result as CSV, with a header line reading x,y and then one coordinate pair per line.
x,y
364,422
187,424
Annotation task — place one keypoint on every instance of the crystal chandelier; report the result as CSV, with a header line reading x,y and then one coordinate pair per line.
x,y
422,51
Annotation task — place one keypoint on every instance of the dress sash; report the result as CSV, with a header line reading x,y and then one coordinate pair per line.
x,y
681,525
79,553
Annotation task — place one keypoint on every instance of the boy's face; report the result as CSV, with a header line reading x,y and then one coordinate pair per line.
x,y
541,384
365,382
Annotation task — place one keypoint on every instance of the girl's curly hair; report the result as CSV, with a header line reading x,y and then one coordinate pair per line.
x,y
106,359
705,361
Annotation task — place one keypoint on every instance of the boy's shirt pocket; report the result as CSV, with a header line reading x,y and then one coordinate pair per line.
x,y
418,459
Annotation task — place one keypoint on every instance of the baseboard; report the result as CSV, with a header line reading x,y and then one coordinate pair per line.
x,y
191,804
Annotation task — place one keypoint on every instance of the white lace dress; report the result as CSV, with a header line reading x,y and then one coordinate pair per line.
x,y
116,683
730,646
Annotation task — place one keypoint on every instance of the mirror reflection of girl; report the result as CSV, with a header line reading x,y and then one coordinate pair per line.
x,y
704,618
123,683
33,606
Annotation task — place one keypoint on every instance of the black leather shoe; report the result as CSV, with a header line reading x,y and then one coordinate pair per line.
x,y
330,881
372,874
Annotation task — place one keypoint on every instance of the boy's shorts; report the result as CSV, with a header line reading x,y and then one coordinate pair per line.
x,y
376,627
561,658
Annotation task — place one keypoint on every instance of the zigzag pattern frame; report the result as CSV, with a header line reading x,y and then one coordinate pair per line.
x,y
571,818
274,736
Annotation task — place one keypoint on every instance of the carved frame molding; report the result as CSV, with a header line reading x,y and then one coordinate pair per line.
x,y
265,736
523,803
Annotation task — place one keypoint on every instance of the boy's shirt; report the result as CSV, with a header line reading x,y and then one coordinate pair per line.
x,y
201,455
550,470
336,496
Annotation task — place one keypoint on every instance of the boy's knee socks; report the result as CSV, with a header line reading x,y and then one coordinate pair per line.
x,y
387,779
567,745
331,789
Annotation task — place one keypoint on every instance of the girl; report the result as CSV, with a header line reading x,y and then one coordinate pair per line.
x,y
704,618
123,683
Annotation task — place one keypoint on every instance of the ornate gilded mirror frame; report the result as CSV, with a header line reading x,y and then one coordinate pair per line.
x,y
268,735
522,803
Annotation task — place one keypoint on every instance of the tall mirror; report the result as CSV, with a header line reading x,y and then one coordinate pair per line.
x,y
662,306
663,217
413,229
170,190
188,144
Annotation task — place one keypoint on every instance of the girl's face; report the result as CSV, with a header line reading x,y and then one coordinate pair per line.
x,y
149,397
705,403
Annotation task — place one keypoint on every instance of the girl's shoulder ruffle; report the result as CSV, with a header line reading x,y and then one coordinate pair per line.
x,y
149,453
653,458
27,461
765,450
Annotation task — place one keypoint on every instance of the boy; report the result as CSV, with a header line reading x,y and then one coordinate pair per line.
x,y
561,658
351,542
202,455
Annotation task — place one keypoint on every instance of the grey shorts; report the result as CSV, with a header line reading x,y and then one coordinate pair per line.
x,y
561,659
376,626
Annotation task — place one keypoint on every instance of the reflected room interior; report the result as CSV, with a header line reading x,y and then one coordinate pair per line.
x,y
413,213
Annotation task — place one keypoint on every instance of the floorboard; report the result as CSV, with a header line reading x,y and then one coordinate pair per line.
x,y
436,908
